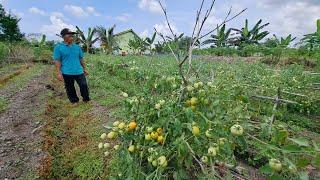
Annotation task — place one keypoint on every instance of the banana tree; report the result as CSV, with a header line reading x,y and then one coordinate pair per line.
x,y
221,39
250,37
106,37
149,41
42,42
312,41
86,42
137,45
284,42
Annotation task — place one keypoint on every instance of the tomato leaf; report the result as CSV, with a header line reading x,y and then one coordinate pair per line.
x,y
265,169
303,176
316,161
303,162
292,148
300,141
275,177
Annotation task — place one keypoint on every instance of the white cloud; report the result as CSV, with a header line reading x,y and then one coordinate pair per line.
x,y
75,10
123,17
150,5
57,24
81,12
144,33
164,29
212,23
57,14
92,10
295,18
35,10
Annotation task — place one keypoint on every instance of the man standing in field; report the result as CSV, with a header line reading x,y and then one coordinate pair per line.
x,y
68,58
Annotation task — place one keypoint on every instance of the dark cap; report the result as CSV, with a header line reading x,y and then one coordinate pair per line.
x,y
66,31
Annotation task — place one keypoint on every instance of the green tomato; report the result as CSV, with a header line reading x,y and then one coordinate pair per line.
x,y
208,134
236,130
205,159
275,164
212,151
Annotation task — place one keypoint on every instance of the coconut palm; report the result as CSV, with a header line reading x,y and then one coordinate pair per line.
x,y
107,39
86,42
221,39
250,37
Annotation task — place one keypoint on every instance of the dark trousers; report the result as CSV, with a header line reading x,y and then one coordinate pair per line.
x,y
71,91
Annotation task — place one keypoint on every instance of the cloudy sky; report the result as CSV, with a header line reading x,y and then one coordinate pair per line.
x,y
297,17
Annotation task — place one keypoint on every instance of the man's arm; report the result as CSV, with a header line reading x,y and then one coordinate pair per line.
x,y
58,67
83,64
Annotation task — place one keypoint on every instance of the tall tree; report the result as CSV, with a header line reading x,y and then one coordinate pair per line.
x,y
221,39
249,37
107,39
86,41
9,26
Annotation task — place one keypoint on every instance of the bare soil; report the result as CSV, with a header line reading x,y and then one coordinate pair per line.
x,y
20,138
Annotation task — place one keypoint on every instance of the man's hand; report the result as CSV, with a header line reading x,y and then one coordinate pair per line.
x,y
85,72
60,77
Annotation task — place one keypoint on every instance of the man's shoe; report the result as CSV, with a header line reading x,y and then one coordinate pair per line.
x,y
86,101
75,104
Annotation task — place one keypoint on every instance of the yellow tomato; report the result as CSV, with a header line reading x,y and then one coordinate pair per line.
x,y
188,103
159,131
195,130
131,148
122,125
160,139
132,125
154,135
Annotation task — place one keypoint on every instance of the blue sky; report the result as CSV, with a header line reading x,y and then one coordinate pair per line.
x,y
49,16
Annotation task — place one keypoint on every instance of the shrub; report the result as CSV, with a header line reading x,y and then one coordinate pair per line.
x,y
42,55
4,50
20,53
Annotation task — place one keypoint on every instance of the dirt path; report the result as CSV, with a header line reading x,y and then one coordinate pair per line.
x,y
20,138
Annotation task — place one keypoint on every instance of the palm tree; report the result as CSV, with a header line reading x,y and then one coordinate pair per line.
x,y
149,41
86,42
107,39
221,39
249,37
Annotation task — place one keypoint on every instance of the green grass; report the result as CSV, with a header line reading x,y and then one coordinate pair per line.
x,y
3,103
75,137
9,68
